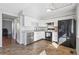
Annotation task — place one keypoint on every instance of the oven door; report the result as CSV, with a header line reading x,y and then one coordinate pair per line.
x,y
48,36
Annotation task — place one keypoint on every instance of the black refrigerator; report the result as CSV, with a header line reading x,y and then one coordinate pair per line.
x,y
67,29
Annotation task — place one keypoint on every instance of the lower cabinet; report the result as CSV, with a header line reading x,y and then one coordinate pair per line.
x,y
27,38
54,37
30,37
39,35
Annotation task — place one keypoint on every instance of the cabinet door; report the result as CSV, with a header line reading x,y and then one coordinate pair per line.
x,y
39,35
27,21
42,35
55,36
30,38
36,36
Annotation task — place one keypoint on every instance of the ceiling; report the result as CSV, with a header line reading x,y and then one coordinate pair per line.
x,y
38,10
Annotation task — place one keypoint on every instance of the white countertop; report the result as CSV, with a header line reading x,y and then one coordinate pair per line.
x,y
32,31
37,31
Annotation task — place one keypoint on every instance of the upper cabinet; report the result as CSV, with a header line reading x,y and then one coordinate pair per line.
x,y
42,24
29,21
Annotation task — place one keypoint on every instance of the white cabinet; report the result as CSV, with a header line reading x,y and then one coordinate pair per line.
x,y
28,37
42,25
29,21
39,35
55,36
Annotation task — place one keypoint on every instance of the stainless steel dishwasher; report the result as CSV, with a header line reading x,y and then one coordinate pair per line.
x,y
30,37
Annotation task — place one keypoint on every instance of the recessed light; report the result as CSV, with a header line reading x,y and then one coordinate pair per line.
x,y
48,10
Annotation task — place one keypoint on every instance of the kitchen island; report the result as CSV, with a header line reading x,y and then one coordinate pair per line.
x,y
31,36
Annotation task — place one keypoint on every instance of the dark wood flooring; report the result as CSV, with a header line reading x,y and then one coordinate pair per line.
x,y
6,41
10,47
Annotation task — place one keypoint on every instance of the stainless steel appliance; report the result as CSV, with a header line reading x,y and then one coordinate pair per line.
x,y
48,36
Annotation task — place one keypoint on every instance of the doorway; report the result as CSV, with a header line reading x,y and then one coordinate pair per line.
x,y
7,30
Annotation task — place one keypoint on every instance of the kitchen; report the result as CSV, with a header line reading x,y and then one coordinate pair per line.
x,y
44,27
33,31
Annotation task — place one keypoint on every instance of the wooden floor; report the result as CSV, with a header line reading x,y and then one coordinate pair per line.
x,y
12,48
6,41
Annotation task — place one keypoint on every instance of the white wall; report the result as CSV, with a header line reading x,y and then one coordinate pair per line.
x,y
77,26
0,29
14,28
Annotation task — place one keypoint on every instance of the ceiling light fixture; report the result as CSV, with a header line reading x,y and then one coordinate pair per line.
x,y
51,7
48,10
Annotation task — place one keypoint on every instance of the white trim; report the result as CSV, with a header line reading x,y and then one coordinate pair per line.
x,y
0,28
8,19
12,14
77,36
